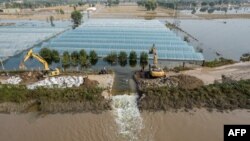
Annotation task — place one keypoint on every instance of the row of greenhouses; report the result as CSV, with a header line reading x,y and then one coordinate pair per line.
x,y
115,35
24,34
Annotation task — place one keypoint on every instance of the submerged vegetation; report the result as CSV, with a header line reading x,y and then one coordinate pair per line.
x,y
111,58
83,58
143,60
218,62
66,59
132,59
221,96
74,58
93,57
123,57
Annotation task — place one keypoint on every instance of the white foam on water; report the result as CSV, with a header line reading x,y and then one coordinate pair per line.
x,y
127,116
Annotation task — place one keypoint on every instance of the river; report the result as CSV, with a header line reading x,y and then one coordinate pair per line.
x,y
123,123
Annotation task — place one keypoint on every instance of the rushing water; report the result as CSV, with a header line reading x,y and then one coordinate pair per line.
x,y
127,116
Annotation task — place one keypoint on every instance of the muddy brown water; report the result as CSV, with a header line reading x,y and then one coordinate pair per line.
x,y
200,125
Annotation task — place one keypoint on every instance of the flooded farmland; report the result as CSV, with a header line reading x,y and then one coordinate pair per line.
x,y
228,37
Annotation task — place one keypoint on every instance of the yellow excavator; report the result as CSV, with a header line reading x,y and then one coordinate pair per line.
x,y
47,71
154,69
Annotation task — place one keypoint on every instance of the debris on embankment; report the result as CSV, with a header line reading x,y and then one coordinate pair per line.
x,y
59,94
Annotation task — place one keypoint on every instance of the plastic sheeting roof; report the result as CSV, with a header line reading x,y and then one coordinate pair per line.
x,y
115,35
25,34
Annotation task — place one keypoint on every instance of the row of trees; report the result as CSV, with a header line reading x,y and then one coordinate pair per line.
x,y
31,5
67,59
79,58
84,59
112,2
123,57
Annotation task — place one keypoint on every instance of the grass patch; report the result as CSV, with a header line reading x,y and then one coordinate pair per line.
x,y
221,96
46,96
218,62
19,93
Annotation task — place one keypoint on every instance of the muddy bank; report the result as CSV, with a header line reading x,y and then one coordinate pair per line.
x,y
157,126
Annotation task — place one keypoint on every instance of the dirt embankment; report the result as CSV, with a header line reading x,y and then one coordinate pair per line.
x,y
226,88
91,96
237,71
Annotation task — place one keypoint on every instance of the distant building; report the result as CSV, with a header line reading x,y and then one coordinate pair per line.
x,y
91,9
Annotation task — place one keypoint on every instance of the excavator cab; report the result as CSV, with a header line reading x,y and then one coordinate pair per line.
x,y
54,72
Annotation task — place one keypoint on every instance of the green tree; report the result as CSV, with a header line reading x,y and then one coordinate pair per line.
x,y
76,17
46,54
61,11
93,57
74,58
210,10
151,5
245,57
132,56
193,11
55,56
83,57
194,4
111,58
203,9
132,59
212,4
203,3
117,2
123,57
66,59
143,59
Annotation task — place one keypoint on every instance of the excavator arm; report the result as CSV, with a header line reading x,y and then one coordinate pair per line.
x,y
153,51
154,69
37,57
41,60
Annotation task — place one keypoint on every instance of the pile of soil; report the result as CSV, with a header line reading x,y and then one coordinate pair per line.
x,y
181,81
187,81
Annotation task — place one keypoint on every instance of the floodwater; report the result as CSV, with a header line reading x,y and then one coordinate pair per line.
x,y
229,37
117,126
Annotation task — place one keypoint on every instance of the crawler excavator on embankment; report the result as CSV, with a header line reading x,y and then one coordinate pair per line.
x,y
154,70
47,71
